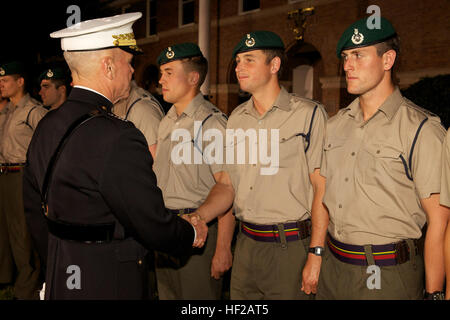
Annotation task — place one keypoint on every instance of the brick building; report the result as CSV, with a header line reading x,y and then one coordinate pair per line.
x,y
313,70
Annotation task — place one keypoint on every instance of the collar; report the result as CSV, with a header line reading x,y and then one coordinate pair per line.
x,y
281,102
388,108
90,96
190,109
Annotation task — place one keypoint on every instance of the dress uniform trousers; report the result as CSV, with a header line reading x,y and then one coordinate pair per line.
x,y
394,281
189,277
15,242
265,270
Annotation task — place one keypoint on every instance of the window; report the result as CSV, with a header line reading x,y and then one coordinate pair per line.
x,y
186,12
248,6
151,18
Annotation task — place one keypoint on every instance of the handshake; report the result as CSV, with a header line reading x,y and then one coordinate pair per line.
x,y
200,227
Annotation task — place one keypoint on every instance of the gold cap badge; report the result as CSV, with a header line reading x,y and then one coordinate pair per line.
x,y
357,37
170,54
250,42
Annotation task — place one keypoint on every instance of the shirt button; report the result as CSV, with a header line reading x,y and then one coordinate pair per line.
x,y
340,206
378,151
353,153
140,262
251,188
346,179
329,146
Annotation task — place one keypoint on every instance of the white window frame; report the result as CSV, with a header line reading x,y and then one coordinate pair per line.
x,y
180,14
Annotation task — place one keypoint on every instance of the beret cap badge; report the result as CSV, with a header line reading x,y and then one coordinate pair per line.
x,y
50,73
170,54
357,37
250,42
2,72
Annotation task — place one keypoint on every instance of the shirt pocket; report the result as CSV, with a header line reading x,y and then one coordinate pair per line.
x,y
291,148
334,156
382,163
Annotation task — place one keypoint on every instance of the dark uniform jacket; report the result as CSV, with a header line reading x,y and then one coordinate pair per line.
x,y
104,174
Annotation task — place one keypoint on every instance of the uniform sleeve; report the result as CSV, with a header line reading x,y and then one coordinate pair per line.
x,y
33,214
314,153
36,115
128,185
212,127
427,158
445,182
146,116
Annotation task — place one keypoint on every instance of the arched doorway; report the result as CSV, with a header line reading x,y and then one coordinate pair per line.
x,y
303,69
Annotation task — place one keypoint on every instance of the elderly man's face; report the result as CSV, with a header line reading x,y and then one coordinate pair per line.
x,y
124,72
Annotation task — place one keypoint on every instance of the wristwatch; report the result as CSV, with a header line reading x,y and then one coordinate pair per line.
x,y
318,251
437,295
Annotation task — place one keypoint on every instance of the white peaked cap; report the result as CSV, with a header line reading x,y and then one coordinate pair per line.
x,y
101,33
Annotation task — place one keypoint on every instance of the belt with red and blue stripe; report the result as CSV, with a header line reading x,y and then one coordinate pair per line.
x,y
384,255
271,233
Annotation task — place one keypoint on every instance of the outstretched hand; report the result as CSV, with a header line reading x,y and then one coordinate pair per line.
x,y
200,227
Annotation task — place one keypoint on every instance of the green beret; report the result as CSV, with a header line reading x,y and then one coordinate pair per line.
x,y
53,74
258,40
359,35
179,51
14,67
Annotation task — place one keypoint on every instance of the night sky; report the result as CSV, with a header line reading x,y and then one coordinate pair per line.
x,y
26,26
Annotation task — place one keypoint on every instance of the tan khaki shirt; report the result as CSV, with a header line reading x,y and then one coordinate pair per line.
x,y
368,194
445,183
17,125
279,190
187,184
143,110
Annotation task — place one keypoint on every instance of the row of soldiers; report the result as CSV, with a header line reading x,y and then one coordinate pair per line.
x,y
351,193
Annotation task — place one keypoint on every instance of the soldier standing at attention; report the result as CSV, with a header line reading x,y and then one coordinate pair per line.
x,y
91,194
18,120
141,108
382,164
276,257
186,185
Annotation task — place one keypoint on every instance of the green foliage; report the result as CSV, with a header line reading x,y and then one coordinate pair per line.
x,y
432,94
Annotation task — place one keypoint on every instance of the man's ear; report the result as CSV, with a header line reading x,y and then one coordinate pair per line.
x,y
389,59
275,65
107,67
20,82
193,78
62,89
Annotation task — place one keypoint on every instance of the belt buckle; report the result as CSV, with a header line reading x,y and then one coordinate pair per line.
x,y
402,253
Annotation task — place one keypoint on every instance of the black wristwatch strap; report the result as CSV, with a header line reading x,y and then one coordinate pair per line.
x,y
436,295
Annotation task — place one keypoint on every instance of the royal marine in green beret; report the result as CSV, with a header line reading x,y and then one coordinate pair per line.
x,y
179,51
14,67
53,74
362,34
258,40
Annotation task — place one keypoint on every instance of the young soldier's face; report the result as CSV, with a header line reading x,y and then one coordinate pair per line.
x,y
364,69
174,81
9,86
252,70
49,94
